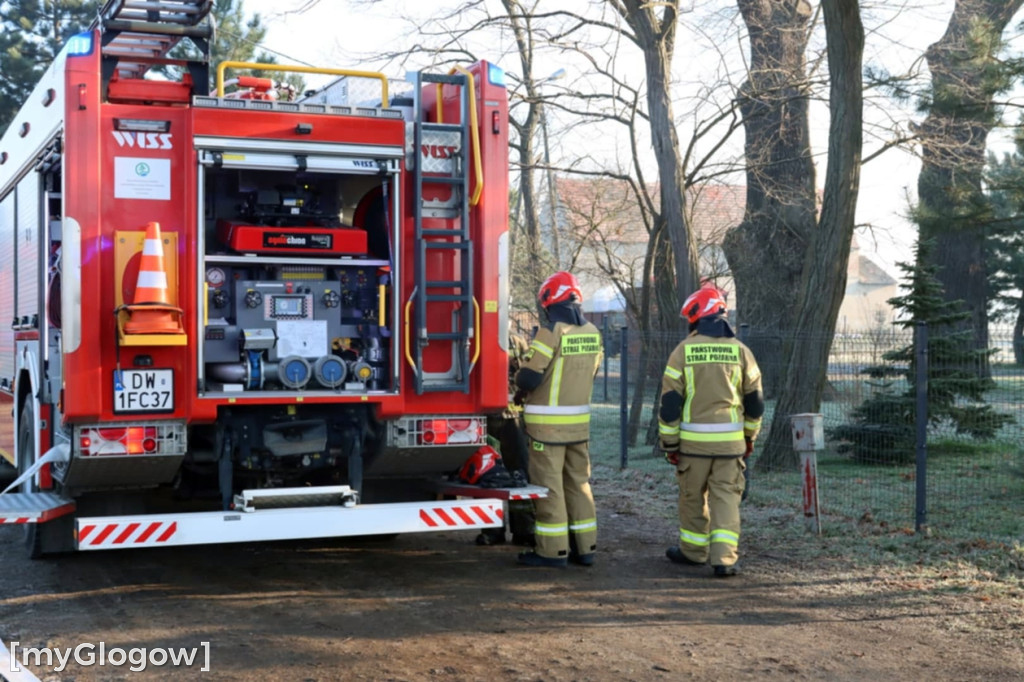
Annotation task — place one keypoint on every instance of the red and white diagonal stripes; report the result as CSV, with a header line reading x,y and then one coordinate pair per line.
x,y
97,536
458,517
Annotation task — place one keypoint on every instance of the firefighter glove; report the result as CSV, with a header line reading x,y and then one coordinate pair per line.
x,y
750,447
520,397
671,456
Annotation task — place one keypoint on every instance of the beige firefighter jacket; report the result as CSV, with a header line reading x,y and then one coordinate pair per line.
x,y
712,374
558,410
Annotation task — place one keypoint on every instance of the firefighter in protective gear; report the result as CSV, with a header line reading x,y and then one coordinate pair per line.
x,y
711,408
556,381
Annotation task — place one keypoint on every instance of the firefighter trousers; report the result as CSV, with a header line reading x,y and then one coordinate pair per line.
x,y
567,513
710,489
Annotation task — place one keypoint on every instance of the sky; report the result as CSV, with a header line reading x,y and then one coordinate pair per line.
x,y
335,33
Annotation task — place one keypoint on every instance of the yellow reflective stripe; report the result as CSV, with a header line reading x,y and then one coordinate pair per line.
x,y
711,437
672,373
556,382
542,348
585,524
666,430
556,418
699,539
726,537
551,529
558,409
734,410
752,426
689,394
711,428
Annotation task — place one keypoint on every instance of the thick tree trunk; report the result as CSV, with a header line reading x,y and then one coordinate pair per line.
x,y
766,251
953,137
824,279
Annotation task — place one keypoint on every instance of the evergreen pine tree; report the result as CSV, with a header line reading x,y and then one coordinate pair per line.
x,y
882,427
34,31
237,39
1006,241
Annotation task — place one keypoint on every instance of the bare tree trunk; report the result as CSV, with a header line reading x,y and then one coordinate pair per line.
x,y
656,346
824,278
766,251
655,35
519,21
965,79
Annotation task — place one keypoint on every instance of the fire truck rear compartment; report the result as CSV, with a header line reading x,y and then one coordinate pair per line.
x,y
297,277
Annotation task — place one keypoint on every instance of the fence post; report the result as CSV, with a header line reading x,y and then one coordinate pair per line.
x,y
624,400
744,332
921,423
808,439
604,336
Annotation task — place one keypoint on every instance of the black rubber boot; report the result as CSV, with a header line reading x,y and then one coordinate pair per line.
x,y
582,559
534,559
676,556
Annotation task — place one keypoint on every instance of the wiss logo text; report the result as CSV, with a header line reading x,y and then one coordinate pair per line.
x,y
438,151
143,140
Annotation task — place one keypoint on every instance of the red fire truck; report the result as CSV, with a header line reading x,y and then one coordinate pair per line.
x,y
239,317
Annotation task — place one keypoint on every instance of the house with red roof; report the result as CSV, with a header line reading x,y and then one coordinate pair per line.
x,y
604,236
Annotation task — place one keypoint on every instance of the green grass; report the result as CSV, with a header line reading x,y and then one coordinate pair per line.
x,y
974,540
975,490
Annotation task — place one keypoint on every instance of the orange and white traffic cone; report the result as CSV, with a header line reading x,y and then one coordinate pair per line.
x,y
152,312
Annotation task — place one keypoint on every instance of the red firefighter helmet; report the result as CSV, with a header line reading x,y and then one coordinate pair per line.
x,y
707,300
478,464
559,287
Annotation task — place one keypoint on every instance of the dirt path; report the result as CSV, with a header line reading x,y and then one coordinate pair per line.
x,y
438,607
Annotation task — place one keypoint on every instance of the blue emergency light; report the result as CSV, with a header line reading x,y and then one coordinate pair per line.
x,y
496,75
79,45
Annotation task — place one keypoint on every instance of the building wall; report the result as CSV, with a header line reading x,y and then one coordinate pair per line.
x,y
865,307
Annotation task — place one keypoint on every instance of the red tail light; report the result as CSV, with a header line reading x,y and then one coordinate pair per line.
x,y
435,431
119,440
451,431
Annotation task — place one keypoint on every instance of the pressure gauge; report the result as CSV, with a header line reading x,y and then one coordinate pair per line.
x,y
215,277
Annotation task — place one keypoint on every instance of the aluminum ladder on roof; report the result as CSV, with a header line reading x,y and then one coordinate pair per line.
x,y
451,170
140,33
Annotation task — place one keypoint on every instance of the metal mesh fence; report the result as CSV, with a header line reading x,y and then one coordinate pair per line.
x,y
867,472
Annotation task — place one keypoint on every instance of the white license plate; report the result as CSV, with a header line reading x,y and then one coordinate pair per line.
x,y
144,390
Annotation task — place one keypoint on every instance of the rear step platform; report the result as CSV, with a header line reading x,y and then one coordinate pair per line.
x,y
287,523
33,507
457,489
276,514
279,498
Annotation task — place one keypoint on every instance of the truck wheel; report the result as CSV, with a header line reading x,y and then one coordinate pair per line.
x,y
7,473
41,539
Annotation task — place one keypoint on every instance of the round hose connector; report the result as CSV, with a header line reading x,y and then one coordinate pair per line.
x,y
330,371
294,372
